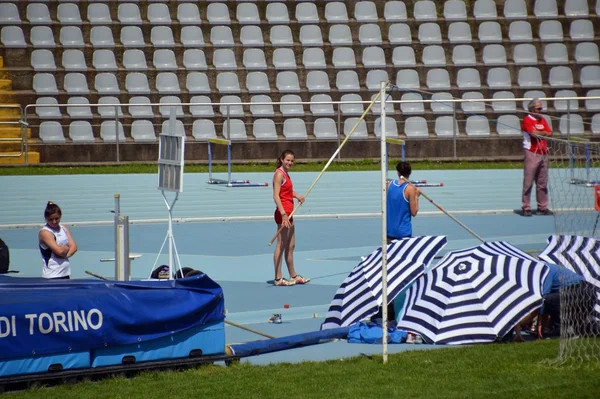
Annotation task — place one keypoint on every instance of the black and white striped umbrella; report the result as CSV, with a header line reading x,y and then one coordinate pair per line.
x,y
474,295
578,254
360,294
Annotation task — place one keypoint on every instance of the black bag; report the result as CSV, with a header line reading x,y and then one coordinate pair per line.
x,y
4,257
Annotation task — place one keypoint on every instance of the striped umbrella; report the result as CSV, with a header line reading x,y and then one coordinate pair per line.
x,y
578,254
474,295
360,295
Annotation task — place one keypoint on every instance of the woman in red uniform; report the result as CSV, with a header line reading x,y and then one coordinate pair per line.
x,y
283,195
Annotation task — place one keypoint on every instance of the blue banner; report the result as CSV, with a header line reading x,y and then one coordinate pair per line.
x,y
43,317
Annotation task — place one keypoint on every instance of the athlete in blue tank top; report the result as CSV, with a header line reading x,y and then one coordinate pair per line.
x,y
402,204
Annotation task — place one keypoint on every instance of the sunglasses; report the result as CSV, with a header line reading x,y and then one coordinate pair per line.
x,y
538,109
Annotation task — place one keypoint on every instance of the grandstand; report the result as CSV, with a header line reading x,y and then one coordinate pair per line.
x,y
271,72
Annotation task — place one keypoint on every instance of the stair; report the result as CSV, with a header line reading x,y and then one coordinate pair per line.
x,y
10,150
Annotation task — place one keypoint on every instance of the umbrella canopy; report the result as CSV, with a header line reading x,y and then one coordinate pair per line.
x,y
360,294
474,295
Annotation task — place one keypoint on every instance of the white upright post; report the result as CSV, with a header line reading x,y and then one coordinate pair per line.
x,y
384,309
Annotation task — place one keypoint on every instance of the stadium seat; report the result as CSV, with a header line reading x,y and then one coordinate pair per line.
x,y
508,125
565,105
98,14
277,13
340,35
459,32
561,77
430,33
76,83
477,125
306,13
167,103
446,126
317,82
257,82
294,129
343,57
438,79
81,111
534,94
494,54
188,14
587,53
313,58
139,107
281,36
434,56
556,53
106,83
525,54
582,30
191,36
571,124
37,14
310,35
195,60
224,60
321,109
490,32
221,36
12,37
373,57
374,79
596,118
264,129
101,37
519,32
231,107
440,106
576,9
42,37
485,10
395,11
164,60
108,112
589,76
167,83
455,10
288,108
336,12
203,129
324,129
129,14
376,108
137,83
158,14
43,61
68,14
197,83
234,129
370,35
143,131
71,37
227,82
545,9
218,14
108,132
131,36
347,81
261,110
592,105
356,128
424,10
399,34
284,58
464,55
365,12
468,79
199,110
51,133
416,127
103,60
408,79
351,105
504,106
162,36
251,36
287,82
475,107
391,127
412,108
47,112
44,84
530,77
404,57
81,132
134,60
551,31
9,14
179,128
515,9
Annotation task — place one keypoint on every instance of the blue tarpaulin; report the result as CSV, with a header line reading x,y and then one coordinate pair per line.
x,y
42,317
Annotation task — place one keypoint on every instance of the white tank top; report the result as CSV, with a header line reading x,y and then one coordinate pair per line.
x,y
54,266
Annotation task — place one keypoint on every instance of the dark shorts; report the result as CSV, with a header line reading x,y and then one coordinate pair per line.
x,y
61,278
390,239
279,219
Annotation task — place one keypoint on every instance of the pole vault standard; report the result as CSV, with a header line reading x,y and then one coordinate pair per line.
x,y
171,153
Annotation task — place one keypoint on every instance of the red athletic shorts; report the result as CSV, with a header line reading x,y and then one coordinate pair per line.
x,y
279,219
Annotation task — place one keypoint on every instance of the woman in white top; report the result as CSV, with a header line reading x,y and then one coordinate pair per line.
x,y
56,245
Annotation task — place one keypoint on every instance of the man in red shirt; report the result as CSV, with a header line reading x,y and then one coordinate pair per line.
x,y
536,158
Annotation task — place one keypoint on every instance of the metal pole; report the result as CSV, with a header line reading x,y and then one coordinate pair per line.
x,y
571,145
209,162
117,133
228,145
384,296
117,212
339,129
454,125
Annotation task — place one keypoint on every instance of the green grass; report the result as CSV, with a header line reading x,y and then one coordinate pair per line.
x,y
490,371
363,165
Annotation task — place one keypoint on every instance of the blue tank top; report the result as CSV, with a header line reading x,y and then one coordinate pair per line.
x,y
398,211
